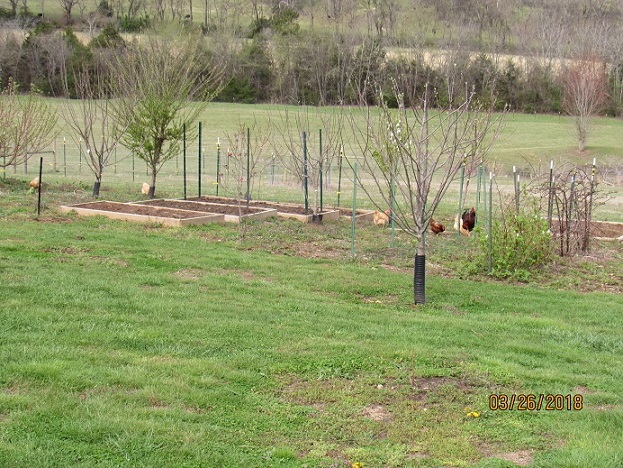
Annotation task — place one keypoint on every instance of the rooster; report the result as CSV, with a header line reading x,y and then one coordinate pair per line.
x,y
468,221
380,218
436,227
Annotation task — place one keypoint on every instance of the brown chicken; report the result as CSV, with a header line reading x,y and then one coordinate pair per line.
x,y
34,183
380,218
436,227
468,219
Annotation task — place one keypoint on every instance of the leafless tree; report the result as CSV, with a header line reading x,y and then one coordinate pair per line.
x,y
92,119
27,124
67,6
413,155
585,91
297,144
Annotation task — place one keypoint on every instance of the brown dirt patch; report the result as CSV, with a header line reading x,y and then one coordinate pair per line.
x,y
140,210
519,458
376,413
280,207
202,207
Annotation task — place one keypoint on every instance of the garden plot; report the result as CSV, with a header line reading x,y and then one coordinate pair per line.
x,y
144,213
232,213
284,210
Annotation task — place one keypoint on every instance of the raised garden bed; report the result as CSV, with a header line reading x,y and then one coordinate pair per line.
x,y
284,210
144,213
231,213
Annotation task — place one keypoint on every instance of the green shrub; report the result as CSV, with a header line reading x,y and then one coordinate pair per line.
x,y
521,242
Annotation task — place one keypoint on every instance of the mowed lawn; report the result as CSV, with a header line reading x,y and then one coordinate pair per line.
x,y
128,345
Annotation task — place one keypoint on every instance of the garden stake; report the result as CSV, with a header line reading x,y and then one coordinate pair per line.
x,y
272,171
305,172
199,164
184,156
478,188
39,188
132,165
248,167
352,224
64,157
483,178
550,198
458,231
218,163
490,226
392,207
320,144
339,177
590,203
515,184
80,156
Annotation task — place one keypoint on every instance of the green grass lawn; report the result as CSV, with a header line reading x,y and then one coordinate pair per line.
x,y
129,345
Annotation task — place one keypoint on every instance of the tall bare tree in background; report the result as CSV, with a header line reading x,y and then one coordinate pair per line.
x,y
157,80
414,154
27,124
585,92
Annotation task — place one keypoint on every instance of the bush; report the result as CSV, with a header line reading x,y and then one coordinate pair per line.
x,y
521,242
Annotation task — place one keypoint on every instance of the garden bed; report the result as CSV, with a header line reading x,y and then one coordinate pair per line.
x,y
232,213
144,214
284,210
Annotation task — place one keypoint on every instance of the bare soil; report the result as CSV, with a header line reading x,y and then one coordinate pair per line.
x,y
140,210
280,207
203,207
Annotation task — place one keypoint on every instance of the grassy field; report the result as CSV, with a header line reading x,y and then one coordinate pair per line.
x,y
127,345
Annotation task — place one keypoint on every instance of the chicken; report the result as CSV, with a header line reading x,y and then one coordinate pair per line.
x,y
468,219
436,227
380,218
34,183
145,188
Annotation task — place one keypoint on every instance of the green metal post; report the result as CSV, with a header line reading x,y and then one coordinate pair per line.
x,y
353,218
339,177
199,163
550,200
490,222
80,160
458,232
184,157
321,156
516,186
64,157
40,185
218,163
305,182
248,167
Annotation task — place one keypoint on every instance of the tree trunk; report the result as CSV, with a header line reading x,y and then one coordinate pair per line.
x,y
96,188
152,187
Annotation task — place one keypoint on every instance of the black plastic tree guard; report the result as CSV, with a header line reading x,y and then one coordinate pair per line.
x,y
419,279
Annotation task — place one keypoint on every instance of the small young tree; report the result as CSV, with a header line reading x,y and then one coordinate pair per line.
x,y
414,154
92,120
27,124
585,92
157,78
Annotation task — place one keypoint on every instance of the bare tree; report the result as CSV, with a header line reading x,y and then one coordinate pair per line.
x,y
156,80
585,87
297,145
92,120
27,125
67,6
413,155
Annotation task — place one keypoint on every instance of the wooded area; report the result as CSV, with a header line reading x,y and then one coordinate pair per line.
x,y
517,53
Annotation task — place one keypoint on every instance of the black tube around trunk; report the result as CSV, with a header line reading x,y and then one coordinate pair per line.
x,y
152,192
419,279
96,189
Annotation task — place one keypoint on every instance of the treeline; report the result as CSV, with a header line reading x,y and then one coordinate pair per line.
x,y
277,62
